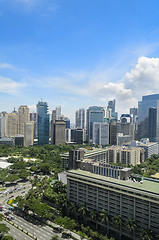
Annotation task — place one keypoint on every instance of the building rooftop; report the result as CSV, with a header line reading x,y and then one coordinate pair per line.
x,y
147,185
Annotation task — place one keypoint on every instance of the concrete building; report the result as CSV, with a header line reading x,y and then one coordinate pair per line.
x,y
33,118
101,133
11,124
19,140
58,136
6,141
108,155
129,199
122,139
2,126
29,133
150,147
23,116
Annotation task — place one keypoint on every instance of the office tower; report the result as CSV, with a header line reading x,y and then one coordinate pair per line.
x,y
149,101
111,105
58,113
33,118
112,133
126,129
11,124
94,114
2,124
23,116
79,136
28,134
100,133
59,132
113,116
152,124
80,118
67,121
42,123
126,118
19,140
134,111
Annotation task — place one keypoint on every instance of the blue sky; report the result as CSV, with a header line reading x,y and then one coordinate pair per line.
x,y
77,53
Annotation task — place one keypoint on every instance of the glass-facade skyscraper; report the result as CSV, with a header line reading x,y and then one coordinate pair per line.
x,y
42,123
146,116
94,114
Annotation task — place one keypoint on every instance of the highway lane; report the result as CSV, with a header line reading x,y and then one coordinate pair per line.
x,y
16,233
34,227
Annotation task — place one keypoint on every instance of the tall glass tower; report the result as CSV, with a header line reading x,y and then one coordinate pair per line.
x,y
147,118
94,114
42,123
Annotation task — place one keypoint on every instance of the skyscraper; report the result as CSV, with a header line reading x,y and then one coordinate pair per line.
x,y
80,118
111,105
149,101
23,116
28,133
11,124
42,123
59,132
94,114
101,133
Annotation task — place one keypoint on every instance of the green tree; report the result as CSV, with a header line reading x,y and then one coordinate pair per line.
x,y
3,229
8,238
131,225
117,220
104,216
55,237
146,234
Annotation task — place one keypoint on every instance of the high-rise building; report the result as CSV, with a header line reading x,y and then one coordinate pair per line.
x,y
2,124
28,134
11,124
152,124
94,114
42,123
23,116
80,118
58,132
111,105
149,101
100,133
34,119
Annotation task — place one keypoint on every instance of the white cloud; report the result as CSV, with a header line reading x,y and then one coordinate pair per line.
x,y
10,86
144,77
43,7
6,66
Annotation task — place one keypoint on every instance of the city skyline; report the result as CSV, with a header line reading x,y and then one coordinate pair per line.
x,y
77,55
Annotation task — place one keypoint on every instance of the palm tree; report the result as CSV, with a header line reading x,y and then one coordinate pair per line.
x,y
146,234
131,225
104,216
117,220
83,211
94,215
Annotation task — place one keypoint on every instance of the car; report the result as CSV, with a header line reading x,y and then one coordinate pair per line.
x,y
11,196
10,217
4,215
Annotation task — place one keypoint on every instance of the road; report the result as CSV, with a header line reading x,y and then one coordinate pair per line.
x,y
34,227
16,233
